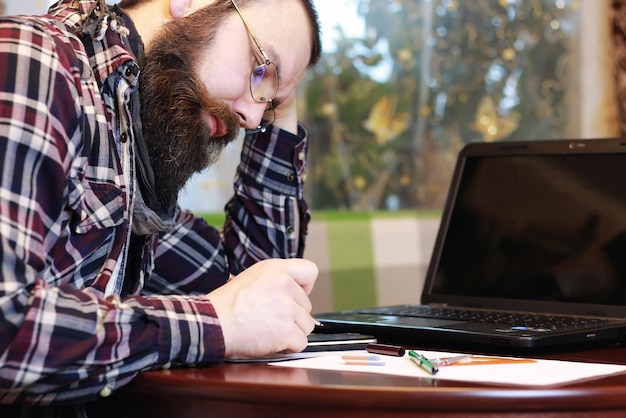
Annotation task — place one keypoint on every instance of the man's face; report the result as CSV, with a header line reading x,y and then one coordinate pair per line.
x,y
195,84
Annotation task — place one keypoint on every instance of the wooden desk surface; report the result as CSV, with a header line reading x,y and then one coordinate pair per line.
x,y
257,390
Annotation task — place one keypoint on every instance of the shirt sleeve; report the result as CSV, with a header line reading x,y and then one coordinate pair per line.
x,y
60,339
267,217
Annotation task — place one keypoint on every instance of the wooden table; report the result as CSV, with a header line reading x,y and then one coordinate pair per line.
x,y
257,390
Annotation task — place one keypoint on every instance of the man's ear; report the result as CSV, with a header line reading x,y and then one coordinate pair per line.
x,y
179,8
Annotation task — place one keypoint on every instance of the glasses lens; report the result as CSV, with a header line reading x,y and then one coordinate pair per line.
x,y
264,82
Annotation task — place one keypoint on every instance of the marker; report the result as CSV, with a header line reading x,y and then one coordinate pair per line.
x,y
362,360
388,350
318,324
422,362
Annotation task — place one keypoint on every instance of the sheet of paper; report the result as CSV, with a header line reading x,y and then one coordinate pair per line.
x,y
536,373
272,358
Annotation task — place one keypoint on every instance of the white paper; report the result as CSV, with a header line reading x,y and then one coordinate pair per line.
x,y
538,373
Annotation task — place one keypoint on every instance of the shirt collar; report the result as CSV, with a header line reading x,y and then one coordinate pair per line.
x,y
101,30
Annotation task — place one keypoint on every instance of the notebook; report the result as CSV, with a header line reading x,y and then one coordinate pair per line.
x,y
530,253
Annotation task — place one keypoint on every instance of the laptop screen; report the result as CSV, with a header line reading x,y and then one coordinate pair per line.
x,y
543,228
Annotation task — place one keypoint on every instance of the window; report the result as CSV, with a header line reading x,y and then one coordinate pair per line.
x,y
404,84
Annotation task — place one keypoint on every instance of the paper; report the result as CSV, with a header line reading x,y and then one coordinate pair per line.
x,y
270,358
536,373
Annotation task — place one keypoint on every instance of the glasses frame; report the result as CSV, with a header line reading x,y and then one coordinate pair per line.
x,y
270,110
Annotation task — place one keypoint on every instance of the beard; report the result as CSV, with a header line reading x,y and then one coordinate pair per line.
x,y
173,100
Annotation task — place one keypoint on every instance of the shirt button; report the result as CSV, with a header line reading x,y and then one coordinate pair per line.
x,y
123,137
291,176
106,391
128,72
301,156
290,229
167,365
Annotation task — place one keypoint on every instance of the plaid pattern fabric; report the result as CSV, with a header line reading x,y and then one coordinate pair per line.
x,y
66,195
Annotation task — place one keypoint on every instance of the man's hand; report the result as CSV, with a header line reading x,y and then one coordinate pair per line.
x,y
266,308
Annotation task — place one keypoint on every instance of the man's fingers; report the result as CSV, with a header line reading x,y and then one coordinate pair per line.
x,y
305,323
304,272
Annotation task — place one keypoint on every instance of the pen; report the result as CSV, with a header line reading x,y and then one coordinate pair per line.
x,y
422,362
452,360
389,350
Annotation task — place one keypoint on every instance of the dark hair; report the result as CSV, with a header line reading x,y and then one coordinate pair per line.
x,y
316,45
316,32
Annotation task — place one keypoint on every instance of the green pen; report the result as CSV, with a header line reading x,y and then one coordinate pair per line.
x,y
422,362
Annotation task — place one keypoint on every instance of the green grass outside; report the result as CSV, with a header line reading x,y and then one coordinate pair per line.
x,y
217,218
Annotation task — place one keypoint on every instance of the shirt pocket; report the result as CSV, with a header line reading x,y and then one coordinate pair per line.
x,y
95,205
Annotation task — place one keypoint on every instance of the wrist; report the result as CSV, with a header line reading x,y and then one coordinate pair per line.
x,y
290,125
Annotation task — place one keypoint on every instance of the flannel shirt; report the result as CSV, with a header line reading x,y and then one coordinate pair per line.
x,y
66,202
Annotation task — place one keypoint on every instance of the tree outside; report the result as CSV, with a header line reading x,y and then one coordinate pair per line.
x,y
389,111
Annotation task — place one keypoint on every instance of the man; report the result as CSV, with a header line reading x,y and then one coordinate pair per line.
x,y
105,112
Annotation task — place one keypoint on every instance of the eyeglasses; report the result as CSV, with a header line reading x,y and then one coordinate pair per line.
x,y
263,80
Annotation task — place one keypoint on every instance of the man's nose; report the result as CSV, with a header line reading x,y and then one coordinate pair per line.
x,y
250,112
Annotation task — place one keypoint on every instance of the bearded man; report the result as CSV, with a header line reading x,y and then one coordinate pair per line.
x,y
105,113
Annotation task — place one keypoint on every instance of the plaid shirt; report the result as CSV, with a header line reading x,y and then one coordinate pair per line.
x,y
66,202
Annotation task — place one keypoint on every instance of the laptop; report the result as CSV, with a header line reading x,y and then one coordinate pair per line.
x,y
530,253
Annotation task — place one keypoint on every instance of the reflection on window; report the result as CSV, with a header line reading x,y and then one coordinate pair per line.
x,y
390,108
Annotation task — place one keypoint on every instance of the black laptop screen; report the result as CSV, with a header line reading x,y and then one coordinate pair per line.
x,y
538,227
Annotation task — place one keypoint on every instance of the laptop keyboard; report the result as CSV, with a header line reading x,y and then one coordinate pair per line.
x,y
537,322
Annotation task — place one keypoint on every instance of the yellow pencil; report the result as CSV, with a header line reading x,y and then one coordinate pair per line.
x,y
478,360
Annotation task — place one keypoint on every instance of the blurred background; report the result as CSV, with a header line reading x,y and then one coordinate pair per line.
x,y
402,86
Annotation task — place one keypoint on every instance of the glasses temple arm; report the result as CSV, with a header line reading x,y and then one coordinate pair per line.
x,y
251,32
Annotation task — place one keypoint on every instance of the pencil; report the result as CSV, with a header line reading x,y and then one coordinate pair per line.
x,y
478,360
